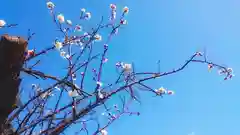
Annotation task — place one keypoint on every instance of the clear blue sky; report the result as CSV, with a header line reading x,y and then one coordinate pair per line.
x,y
169,31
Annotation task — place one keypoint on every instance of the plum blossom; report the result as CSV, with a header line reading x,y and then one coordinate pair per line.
x,y
50,5
74,76
123,22
34,86
115,31
98,37
119,64
57,88
104,132
78,28
83,10
105,46
60,18
58,45
113,6
78,42
232,75
86,35
68,56
210,66
69,22
170,92
100,95
161,91
88,16
99,83
127,67
62,54
221,71
94,70
2,23
105,60
73,93
230,70
125,10
30,53
199,53
82,73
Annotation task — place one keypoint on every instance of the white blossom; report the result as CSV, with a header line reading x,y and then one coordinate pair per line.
x,y
73,93
83,10
126,10
62,54
127,67
60,18
78,28
88,16
100,95
58,45
98,37
99,83
67,56
113,6
230,70
2,23
104,132
57,88
50,5
69,22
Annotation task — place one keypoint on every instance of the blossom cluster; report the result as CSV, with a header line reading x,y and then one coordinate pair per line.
x,y
29,53
82,39
38,90
125,66
163,91
227,72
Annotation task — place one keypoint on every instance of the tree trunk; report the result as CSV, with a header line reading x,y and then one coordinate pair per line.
x,y
12,50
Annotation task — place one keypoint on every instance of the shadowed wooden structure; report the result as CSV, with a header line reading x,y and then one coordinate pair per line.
x,y
12,50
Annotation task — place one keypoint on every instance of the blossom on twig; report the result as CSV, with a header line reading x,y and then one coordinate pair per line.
x,y
210,66
100,94
58,45
78,28
99,83
105,60
60,18
88,16
113,6
127,67
125,10
69,22
104,132
2,23
83,10
50,5
98,37
73,93
123,22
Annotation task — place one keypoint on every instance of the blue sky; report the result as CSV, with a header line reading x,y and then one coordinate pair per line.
x,y
169,31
